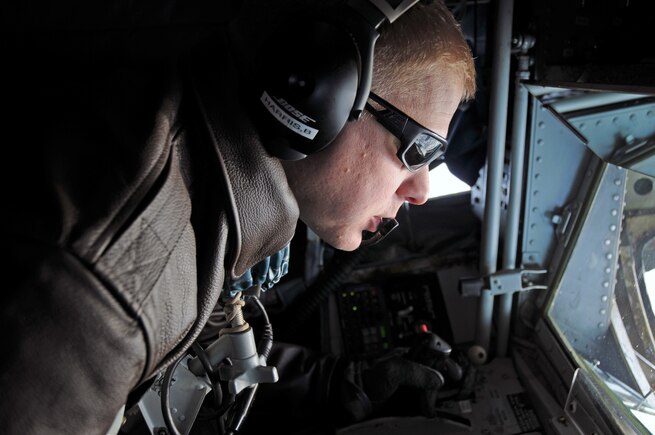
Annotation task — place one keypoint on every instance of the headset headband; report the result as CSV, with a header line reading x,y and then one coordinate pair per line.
x,y
383,11
390,12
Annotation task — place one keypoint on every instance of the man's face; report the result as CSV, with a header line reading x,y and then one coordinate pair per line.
x,y
358,180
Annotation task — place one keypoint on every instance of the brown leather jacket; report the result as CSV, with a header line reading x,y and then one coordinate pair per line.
x,y
132,189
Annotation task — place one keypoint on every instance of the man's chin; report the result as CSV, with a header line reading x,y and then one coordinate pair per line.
x,y
345,244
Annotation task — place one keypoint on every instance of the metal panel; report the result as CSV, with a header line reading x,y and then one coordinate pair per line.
x,y
623,134
581,308
557,163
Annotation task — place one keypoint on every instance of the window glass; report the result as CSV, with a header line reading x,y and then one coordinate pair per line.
x,y
604,302
443,182
648,269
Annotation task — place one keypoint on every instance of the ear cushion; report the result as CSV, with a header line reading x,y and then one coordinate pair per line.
x,y
306,83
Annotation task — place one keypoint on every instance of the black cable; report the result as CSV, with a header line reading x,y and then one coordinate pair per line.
x,y
226,405
203,358
222,407
166,399
331,280
216,386
242,407
261,307
266,343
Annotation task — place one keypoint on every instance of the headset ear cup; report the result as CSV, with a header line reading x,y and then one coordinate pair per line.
x,y
305,88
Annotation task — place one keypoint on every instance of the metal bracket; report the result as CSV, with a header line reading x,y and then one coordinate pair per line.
x,y
188,392
514,280
247,367
501,282
564,222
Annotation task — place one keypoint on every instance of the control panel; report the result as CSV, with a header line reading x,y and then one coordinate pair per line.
x,y
378,316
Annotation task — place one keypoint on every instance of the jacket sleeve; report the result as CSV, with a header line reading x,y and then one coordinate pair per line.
x,y
70,351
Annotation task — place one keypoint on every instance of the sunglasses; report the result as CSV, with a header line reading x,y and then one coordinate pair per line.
x,y
419,146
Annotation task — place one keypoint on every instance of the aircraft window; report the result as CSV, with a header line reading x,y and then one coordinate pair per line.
x,y
443,182
604,306
648,269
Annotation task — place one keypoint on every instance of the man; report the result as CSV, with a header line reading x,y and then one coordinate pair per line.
x,y
424,69
138,182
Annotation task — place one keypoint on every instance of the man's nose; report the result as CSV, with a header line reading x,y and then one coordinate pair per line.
x,y
416,188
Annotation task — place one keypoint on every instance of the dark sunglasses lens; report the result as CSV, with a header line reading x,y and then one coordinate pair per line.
x,y
422,151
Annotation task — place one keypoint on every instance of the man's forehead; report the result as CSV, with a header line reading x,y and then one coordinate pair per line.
x,y
431,106
432,89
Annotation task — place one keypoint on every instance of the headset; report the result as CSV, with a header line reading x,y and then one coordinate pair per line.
x,y
316,76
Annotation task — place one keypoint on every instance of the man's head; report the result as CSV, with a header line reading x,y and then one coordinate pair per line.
x,y
422,67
